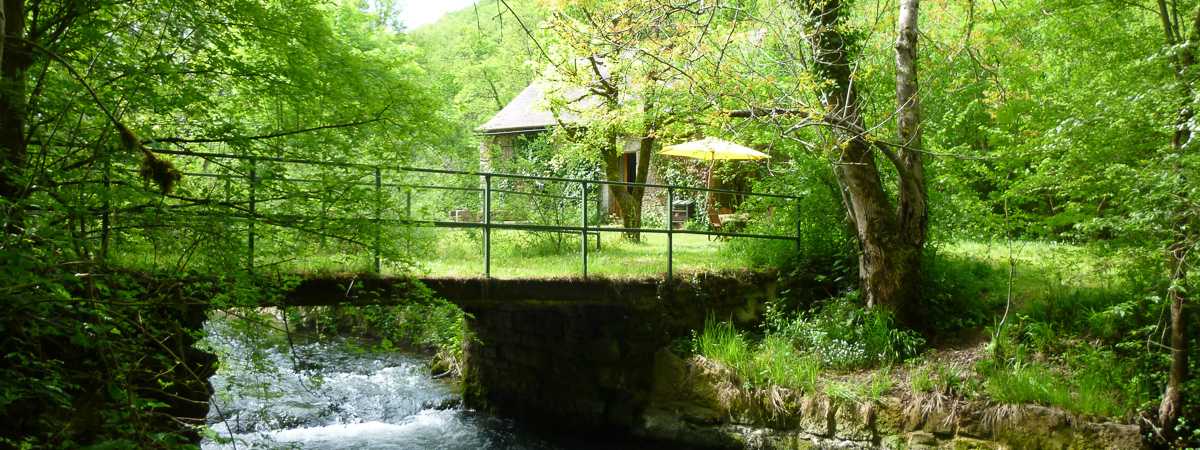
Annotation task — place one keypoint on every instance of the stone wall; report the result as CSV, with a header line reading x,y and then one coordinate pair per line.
x,y
579,367
589,365
694,405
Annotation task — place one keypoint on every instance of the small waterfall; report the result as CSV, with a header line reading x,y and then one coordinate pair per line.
x,y
341,397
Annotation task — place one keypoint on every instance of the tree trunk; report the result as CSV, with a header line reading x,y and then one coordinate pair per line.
x,y
1171,407
1172,401
16,59
3,26
891,239
630,206
913,214
629,199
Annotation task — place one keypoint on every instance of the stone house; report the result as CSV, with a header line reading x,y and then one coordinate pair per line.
x,y
528,115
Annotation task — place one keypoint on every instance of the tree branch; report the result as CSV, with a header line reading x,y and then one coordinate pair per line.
x,y
527,32
753,113
179,140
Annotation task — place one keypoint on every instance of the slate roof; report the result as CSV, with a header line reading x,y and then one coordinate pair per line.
x,y
530,110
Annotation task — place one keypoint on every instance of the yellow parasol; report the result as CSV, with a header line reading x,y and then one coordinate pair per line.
x,y
712,149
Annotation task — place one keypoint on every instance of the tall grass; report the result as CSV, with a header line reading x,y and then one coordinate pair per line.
x,y
1080,392
719,341
781,364
795,349
1031,362
772,362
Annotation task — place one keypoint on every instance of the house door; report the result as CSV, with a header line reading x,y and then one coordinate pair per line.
x,y
630,169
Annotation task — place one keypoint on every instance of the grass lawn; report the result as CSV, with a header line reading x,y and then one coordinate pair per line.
x,y
443,252
1058,347
519,254
1039,268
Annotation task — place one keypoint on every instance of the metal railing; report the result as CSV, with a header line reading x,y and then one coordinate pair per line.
x,y
377,181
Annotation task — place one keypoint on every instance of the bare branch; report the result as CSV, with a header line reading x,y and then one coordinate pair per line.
x,y
179,140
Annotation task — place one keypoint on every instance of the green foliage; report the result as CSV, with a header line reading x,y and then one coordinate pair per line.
x,y
1087,391
105,357
1032,363
772,362
430,325
721,342
1041,119
537,202
301,80
479,58
938,378
421,322
783,365
960,292
1077,333
844,335
817,220
794,350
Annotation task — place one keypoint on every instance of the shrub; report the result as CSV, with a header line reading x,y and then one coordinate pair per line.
x,y
960,292
845,335
1080,378
772,362
719,341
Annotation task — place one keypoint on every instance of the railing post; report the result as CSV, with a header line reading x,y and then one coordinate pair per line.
x,y
487,225
106,218
408,233
408,204
253,215
378,224
799,228
583,225
670,237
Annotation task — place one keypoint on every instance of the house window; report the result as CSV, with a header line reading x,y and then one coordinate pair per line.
x,y
630,169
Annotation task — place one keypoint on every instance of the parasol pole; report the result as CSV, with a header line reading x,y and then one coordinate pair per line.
x,y
712,162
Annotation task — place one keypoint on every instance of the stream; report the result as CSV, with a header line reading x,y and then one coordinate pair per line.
x,y
342,397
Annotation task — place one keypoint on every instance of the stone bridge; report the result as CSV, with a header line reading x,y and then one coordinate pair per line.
x,y
572,353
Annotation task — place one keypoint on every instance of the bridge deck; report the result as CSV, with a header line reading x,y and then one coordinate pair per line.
x,y
482,292
350,290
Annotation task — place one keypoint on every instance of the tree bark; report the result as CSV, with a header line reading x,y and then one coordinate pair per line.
x,y
891,239
630,199
3,26
1171,407
16,59
631,208
913,213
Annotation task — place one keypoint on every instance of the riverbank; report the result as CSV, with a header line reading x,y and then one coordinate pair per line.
x,y
104,357
701,404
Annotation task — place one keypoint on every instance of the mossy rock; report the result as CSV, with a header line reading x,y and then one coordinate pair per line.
x,y
965,443
889,417
816,416
854,422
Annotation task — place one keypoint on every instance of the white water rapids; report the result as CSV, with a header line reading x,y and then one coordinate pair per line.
x,y
341,398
